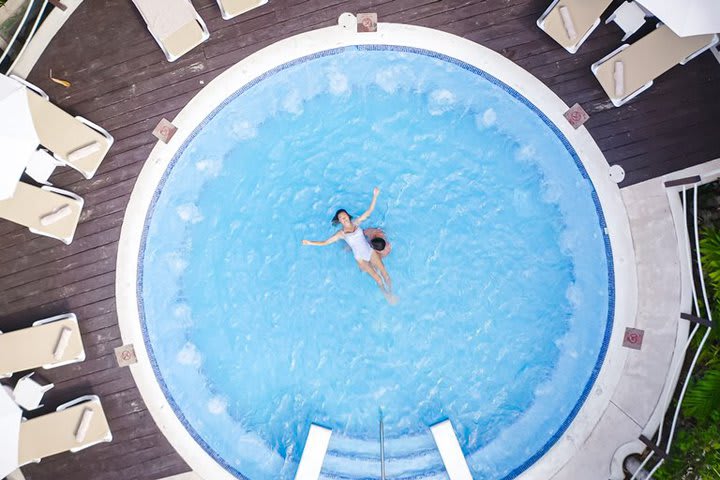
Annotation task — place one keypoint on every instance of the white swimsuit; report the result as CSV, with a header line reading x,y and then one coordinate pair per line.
x,y
359,244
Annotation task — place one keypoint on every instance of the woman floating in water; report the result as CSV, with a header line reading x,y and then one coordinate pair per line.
x,y
367,259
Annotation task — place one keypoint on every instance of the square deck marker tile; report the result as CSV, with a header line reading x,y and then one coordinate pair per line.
x,y
367,22
164,130
576,116
633,338
125,355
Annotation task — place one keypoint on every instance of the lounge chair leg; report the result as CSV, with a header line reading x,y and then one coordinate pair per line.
x,y
715,52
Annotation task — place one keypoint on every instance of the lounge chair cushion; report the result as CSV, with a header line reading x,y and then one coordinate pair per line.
x,y
31,204
34,347
165,17
184,39
233,8
56,432
63,134
647,59
584,14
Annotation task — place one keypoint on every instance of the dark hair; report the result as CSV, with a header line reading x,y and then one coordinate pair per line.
x,y
335,220
378,244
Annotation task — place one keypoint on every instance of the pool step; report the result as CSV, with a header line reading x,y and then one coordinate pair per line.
x,y
406,458
423,476
394,447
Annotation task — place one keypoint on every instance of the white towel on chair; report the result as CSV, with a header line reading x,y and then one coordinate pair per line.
x,y
568,23
56,215
84,425
62,343
83,152
619,77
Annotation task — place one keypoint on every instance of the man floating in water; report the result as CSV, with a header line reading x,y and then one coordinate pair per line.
x,y
367,258
378,241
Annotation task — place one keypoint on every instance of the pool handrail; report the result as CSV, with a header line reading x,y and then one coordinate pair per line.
x,y
382,447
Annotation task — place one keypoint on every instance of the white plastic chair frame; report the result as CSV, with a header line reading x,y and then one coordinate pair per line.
x,y
57,318
168,55
228,16
84,120
78,401
618,103
31,86
541,21
65,193
72,403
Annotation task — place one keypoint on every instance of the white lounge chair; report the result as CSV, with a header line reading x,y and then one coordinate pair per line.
x,y
75,425
629,16
233,8
313,455
570,22
174,24
74,141
49,343
450,451
631,69
47,211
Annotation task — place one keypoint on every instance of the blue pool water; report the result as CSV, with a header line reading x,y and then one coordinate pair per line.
x,y
499,259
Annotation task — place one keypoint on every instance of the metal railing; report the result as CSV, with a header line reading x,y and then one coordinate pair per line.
x,y
656,451
32,14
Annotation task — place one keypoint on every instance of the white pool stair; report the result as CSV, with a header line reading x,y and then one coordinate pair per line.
x,y
313,455
450,451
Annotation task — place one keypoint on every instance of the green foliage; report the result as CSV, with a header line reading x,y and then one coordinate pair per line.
x,y
696,450
8,27
695,454
703,398
710,251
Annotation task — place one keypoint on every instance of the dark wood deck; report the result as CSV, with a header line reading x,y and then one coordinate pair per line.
x,y
121,80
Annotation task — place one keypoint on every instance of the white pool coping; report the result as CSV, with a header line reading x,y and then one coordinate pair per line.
x,y
596,408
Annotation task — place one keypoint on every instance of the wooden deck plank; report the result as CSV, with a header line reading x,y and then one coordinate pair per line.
x,y
127,86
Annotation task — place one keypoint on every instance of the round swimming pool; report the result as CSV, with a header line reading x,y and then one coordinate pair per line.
x,y
500,259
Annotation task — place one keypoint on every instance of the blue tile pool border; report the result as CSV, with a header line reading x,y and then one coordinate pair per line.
x,y
596,201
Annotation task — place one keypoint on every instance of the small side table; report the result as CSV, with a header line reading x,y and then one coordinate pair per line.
x,y
629,16
28,393
41,165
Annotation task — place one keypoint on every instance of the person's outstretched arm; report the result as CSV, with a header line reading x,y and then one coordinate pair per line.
x,y
370,209
330,240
